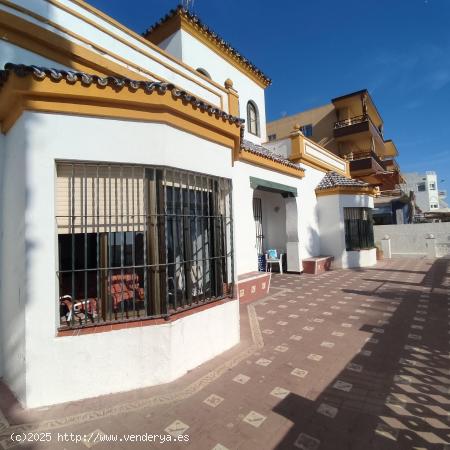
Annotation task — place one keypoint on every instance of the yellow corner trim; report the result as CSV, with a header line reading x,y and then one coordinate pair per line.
x,y
52,46
258,160
133,35
299,155
20,94
346,191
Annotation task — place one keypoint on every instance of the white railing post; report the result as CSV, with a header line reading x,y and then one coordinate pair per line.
x,y
386,247
430,244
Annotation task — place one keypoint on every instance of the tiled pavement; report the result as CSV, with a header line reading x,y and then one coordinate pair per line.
x,y
351,359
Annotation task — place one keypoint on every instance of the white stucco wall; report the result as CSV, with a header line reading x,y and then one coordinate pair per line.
x,y
411,239
281,146
332,233
173,45
196,54
424,199
274,220
14,248
17,55
321,155
117,43
308,213
52,364
307,220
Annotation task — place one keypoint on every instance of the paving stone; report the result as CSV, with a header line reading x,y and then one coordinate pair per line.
x,y
176,428
254,419
306,442
213,400
280,392
386,391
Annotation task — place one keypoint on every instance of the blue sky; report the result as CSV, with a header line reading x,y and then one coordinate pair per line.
x,y
319,49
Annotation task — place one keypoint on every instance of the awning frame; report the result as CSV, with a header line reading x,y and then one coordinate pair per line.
x,y
272,186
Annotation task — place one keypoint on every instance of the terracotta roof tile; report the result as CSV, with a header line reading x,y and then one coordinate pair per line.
x,y
333,179
220,42
118,83
266,153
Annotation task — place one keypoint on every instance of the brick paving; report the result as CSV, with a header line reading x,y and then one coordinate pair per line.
x,y
350,359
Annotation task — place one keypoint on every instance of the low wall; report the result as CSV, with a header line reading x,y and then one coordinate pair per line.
x,y
79,367
411,239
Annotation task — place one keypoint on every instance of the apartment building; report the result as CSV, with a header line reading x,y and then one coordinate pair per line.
x,y
352,128
426,190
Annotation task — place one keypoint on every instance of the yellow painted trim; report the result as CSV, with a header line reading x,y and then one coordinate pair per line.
x,y
346,191
178,22
363,172
233,98
138,37
258,160
28,94
299,155
73,53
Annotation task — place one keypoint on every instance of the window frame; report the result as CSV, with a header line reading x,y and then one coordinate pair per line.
x,y
251,105
358,231
421,187
204,225
305,128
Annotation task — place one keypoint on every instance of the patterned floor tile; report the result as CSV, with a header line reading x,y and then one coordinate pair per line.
x,y
213,400
254,419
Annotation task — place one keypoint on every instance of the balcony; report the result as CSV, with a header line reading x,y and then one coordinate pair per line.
x,y
366,162
391,164
354,125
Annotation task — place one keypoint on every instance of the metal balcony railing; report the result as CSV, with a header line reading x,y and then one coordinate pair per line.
x,y
354,121
351,121
366,155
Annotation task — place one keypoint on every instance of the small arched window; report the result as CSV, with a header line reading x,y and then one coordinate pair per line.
x,y
203,72
252,118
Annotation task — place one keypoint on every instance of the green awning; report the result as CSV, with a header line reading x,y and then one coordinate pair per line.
x,y
271,186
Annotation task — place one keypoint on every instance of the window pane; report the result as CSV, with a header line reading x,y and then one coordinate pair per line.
x,y
358,224
252,118
139,241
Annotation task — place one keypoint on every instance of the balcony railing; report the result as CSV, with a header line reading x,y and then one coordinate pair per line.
x,y
364,118
366,155
391,164
351,121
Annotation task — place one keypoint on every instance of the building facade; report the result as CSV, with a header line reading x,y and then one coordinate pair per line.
x,y
426,190
138,194
351,127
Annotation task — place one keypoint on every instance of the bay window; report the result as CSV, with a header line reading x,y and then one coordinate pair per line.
x,y
139,242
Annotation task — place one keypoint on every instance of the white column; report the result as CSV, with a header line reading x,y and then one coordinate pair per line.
x,y
386,247
430,244
294,263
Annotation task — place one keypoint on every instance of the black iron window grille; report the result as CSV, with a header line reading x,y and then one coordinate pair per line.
x,y
358,229
140,242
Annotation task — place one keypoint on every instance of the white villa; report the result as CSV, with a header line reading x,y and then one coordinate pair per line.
x,y
137,204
